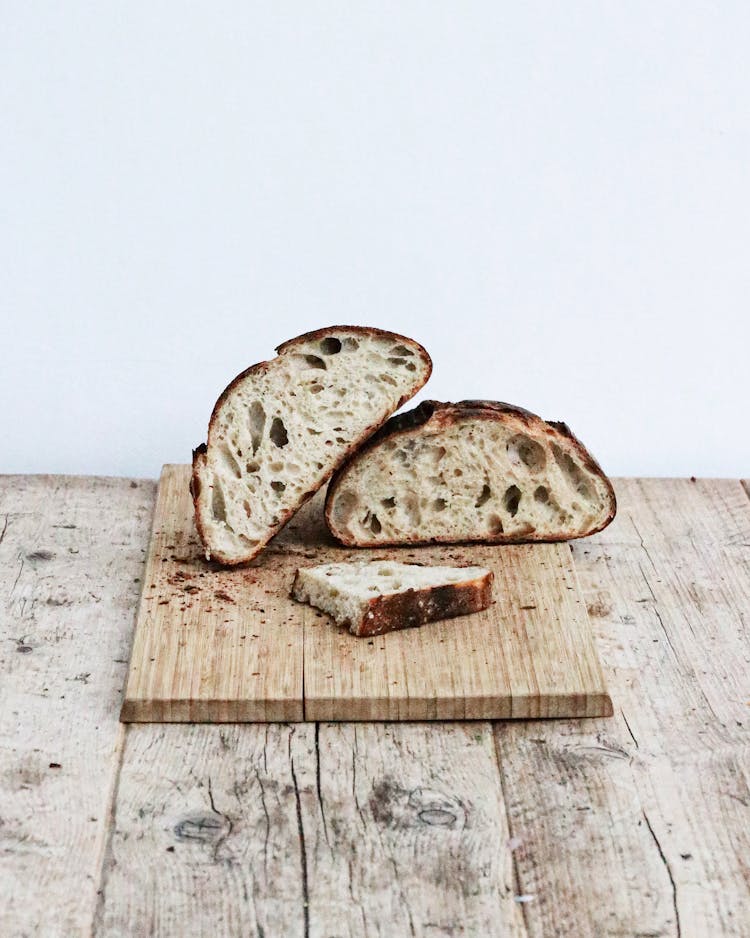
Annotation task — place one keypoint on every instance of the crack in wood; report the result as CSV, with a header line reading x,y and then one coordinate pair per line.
x,y
318,787
303,848
632,734
267,817
15,582
669,873
643,543
230,824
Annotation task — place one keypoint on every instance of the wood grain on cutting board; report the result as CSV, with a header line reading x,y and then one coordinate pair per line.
x,y
225,645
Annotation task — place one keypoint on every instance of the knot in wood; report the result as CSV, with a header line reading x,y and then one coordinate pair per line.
x,y
207,828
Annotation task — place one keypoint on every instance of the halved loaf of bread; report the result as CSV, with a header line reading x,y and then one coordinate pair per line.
x,y
281,428
372,597
472,471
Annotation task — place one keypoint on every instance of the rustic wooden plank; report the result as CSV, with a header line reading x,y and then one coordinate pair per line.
x,y
71,553
281,830
206,837
410,835
220,645
210,644
640,825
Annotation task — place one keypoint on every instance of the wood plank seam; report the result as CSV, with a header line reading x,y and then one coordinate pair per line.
x,y
105,846
495,728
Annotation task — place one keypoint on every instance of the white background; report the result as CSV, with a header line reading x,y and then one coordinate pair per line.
x,y
553,198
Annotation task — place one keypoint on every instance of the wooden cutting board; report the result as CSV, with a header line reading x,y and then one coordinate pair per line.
x,y
227,645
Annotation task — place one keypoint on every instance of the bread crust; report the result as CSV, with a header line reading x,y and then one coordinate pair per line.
x,y
415,607
440,414
201,451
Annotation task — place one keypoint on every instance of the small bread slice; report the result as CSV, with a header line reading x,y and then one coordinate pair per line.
x,y
281,428
472,471
377,596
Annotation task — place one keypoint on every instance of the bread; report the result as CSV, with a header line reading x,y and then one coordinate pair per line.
x,y
472,471
373,597
280,429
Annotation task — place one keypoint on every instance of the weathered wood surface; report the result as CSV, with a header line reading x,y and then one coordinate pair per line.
x,y
636,825
641,825
227,645
281,830
71,552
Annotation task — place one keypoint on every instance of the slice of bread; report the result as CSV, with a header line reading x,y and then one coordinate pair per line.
x,y
377,596
281,428
472,471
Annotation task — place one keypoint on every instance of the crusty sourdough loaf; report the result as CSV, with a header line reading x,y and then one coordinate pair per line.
x,y
372,597
280,429
472,471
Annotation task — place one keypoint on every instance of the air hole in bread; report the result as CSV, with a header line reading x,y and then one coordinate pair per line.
x,y
541,494
344,505
350,344
411,507
512,499
375,526
252,467
388,502
278,486
494,525
278,433
439,504
484,496
401,350
230,462
257,421
277,466
458,472
437,454
396,361
388,379
313,432
573,471
523,451
246,506
410,366
330,346
316,388
315,361
218,505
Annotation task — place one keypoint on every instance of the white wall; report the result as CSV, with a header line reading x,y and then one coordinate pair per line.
x,y
554,198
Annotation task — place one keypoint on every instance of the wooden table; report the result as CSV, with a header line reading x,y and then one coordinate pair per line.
x,y
637,825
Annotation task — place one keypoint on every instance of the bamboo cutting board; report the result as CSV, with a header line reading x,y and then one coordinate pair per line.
x,y
229,645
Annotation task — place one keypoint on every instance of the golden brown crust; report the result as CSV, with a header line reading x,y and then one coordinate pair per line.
x,y
437,415
199,453
416,607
